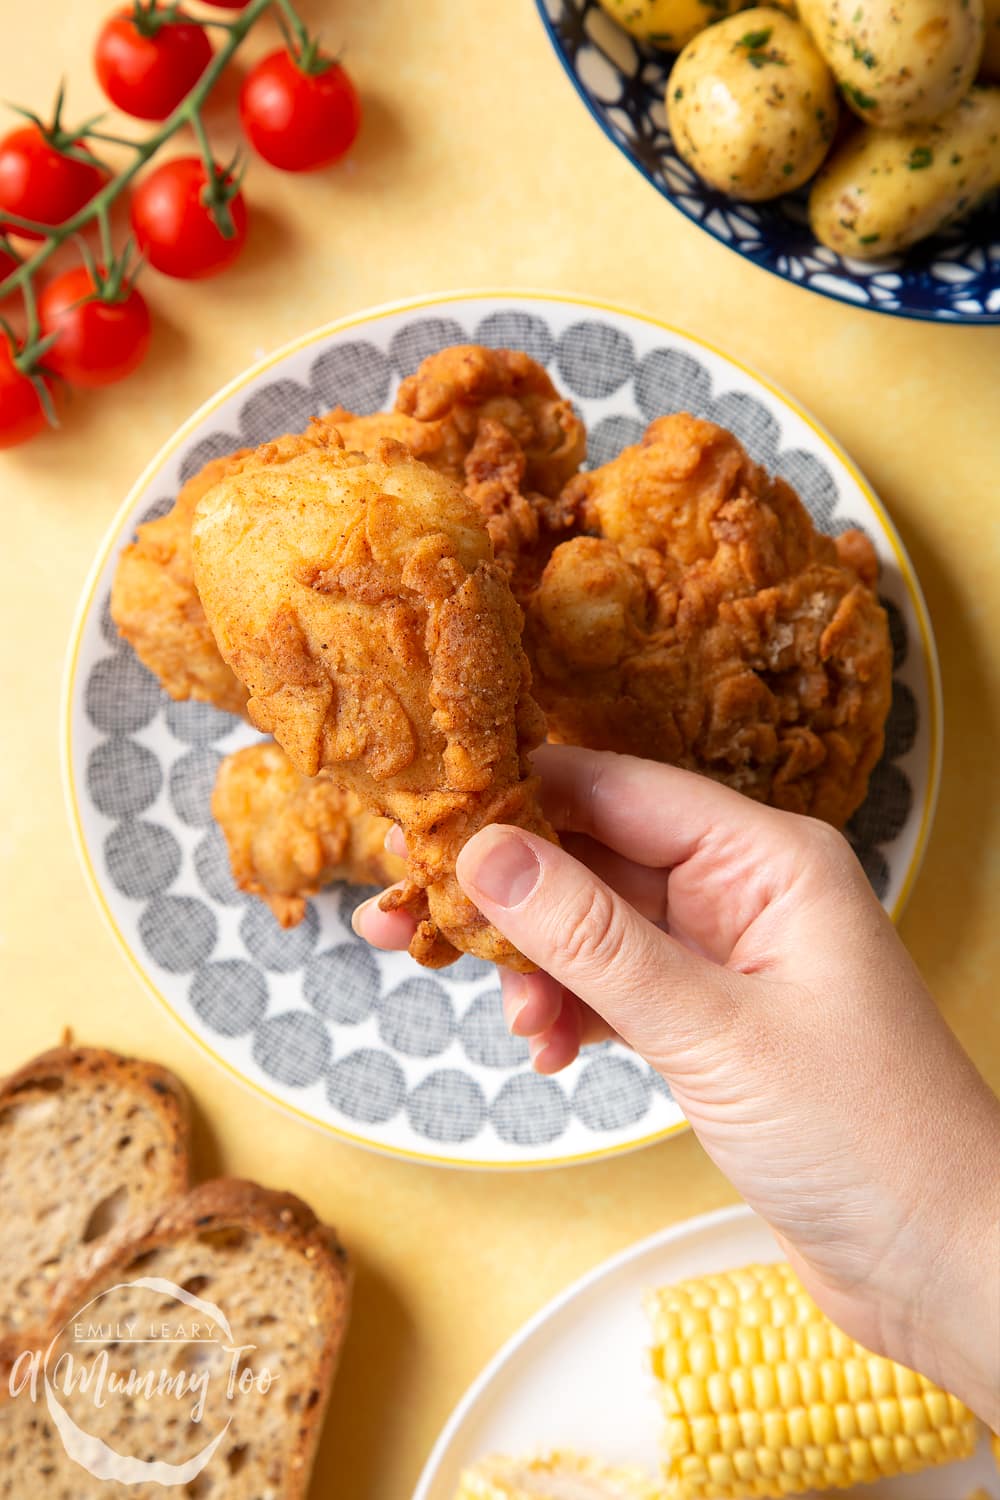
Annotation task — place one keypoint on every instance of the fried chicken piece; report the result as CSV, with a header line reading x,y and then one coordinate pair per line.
x,y
493,420
523,527
155,604
288,835
467,384
436,444
358,601
703,621
156,608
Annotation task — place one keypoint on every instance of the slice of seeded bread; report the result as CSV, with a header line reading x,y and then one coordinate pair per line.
x,y
88,1139
271,1270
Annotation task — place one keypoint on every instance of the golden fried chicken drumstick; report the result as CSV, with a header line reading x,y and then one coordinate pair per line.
x,y
464,413
156,607
154,602
358,601
492,420
702,620
288,835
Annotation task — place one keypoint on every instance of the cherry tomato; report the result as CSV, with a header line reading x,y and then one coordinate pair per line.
x,y
99,341
22,415
227,4
7,264
299,119
38,182
174,224
146,64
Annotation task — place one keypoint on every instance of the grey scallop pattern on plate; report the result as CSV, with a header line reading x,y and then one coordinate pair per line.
x,y
362,1042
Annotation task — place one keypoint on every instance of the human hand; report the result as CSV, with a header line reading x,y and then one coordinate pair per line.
x,y
741,951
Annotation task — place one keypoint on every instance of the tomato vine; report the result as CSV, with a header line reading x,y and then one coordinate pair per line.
x,y
217,192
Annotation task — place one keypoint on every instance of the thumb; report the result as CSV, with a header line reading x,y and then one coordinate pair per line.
x,y
656,994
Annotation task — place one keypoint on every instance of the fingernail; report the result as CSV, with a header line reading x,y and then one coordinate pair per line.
x,y
515,998
394,841
514,1018
505,872
358,913
536,1052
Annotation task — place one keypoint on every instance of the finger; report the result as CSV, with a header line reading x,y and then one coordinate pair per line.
x,y
560,1044
643,888
561,1053
654,992
394,841
576,1026
610,797
391,930
595,1028
531,1002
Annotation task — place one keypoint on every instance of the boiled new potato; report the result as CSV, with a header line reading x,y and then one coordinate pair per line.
x,y
898,62
989,68
751,105
886,189
669,23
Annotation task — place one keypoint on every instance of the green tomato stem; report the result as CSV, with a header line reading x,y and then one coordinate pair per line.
x,y
204,144
16,221
115,140
31,315
298,29
186,113
104,226
214,194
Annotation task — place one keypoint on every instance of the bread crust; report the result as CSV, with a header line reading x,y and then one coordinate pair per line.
x,y
159,1088
222,1204
225,1203
91,1137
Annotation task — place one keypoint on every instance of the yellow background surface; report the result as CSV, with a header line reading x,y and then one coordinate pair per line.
x,y
477,166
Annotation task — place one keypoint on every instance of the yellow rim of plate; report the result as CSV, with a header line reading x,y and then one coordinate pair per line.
x,y
374,315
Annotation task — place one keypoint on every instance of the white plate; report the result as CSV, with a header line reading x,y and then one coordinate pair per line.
x,y
367,1046
574,1376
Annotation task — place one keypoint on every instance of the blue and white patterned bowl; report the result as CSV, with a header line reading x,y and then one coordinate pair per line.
x,y
365,1044
952,278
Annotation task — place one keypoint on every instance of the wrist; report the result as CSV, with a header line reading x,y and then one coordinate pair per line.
x,y
939,1310
955,1333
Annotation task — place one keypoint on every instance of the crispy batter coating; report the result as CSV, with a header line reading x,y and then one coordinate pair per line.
x,y
492,420
524,526
488,400
157,610
488,462
358,601
289,835
466,384
154,602
704,621
436,444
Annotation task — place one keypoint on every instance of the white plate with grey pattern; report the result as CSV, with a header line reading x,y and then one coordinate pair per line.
x,y
366,1045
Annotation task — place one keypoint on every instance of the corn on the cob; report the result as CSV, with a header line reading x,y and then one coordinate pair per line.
x,y
556,1476
763,1396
